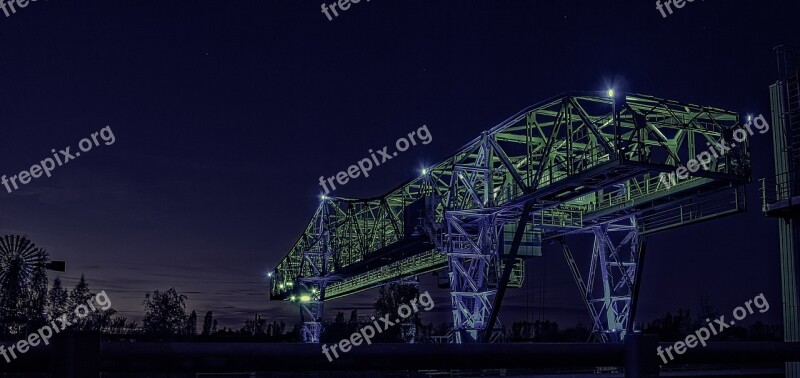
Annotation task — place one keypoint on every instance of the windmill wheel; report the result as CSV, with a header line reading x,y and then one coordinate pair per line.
x,y
22,277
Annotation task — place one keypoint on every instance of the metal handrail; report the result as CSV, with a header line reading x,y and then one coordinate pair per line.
x,y
775,189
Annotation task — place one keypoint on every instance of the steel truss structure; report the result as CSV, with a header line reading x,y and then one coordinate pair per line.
x,y
613,267
576,163
472,239
780,193
315,264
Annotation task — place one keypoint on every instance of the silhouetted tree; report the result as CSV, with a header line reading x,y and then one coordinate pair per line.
x,y
579,333
102,320
255,327
390,297
335,331
59,299
80,295
118,325
164,313
207,323
132,328
38,300
191,324
276,329
672,327
546,330
706,310
759,331
522,331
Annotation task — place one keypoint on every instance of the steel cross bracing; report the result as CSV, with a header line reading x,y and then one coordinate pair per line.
x,y
472,239
613,267
315,264
581,163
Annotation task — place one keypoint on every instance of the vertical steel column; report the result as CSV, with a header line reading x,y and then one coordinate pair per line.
x,y
617,264
510,260
472,242
472,252
599,250
788,227
313,279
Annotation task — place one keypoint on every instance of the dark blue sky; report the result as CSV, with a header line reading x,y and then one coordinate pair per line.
x,y
226,113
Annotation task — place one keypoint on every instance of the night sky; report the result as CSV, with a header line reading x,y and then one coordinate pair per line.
x,y
225,114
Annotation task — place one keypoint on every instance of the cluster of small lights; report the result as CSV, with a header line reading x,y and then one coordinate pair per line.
x,y
303,298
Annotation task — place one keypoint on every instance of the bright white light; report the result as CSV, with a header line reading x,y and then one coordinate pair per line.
x,y
291,298
749,118
611,92
269,274
323,197
424,171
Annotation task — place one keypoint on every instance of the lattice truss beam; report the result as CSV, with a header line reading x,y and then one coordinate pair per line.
x,y
580,159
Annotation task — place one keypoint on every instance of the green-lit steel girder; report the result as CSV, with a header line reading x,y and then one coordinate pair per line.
x,y
582,159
